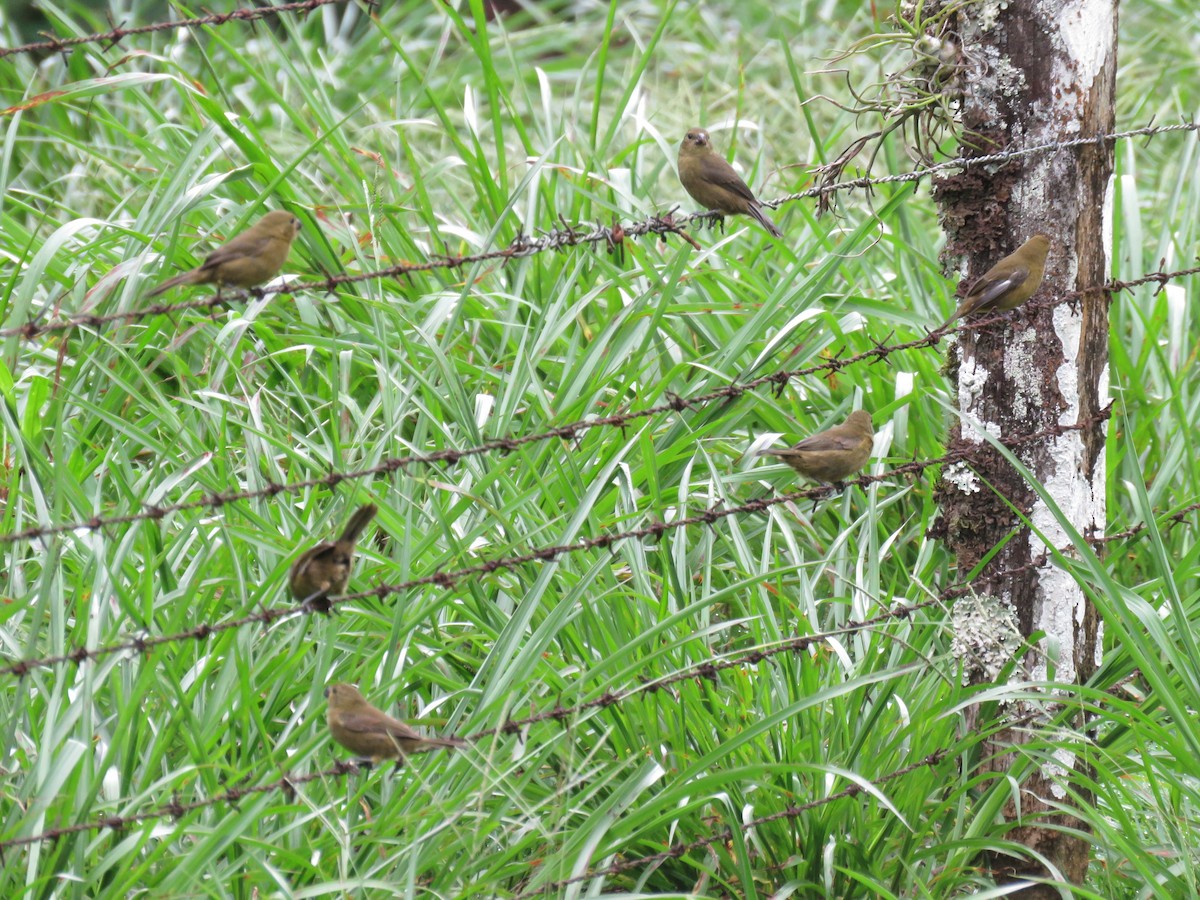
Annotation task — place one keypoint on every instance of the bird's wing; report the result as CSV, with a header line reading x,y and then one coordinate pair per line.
x,y
721,173
365,723
241,246
307,557
987,290
830,440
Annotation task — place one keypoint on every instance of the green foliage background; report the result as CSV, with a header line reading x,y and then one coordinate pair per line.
x,y
425,129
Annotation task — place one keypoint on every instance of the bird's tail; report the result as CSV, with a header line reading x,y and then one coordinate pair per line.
x,y
448,743
950,321
362,516
761,217
189,277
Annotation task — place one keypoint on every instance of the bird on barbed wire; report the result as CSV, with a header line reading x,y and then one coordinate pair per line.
x,y
1008,283
371,733
833,455
247,260
713,183
325,569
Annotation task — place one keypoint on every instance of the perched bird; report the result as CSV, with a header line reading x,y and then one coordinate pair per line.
x,y
1008,283
325,569
361,728
714,184
254,256
834,455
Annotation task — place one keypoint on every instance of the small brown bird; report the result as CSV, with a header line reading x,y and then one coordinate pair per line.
x,y
325,569
254,256
834,455
1008,283
361,728
714,184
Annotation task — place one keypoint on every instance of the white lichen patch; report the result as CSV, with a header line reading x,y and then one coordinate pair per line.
x,y
986,636
1106,227
989,11
1078,500
1069,328
974,430
960,476
1086,29
972,378
1020,367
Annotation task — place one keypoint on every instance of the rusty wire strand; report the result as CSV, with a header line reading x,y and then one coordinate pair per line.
x,y
708,670
447,579
705,671
969,162
556,239
248,14
681,848
288,783
521,246
176,809
569,431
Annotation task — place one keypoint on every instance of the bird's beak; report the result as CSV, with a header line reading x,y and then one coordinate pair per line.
x,y
326,693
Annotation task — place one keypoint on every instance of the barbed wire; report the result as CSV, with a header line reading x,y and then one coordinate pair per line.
x,y
116,35
521,246
287,785
709,670
177,809
970,162
569,431
1175,518
1178,517
556,239
705,671
681,848
446,579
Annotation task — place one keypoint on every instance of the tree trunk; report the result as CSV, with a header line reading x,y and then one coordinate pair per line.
x,y
1037,71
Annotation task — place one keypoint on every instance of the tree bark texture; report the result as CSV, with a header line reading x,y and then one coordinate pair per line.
x,y
1036,71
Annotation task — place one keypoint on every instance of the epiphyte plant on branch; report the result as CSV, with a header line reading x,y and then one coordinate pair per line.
x,y
921,95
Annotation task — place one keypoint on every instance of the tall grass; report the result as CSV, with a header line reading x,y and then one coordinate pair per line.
x,y
424,129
